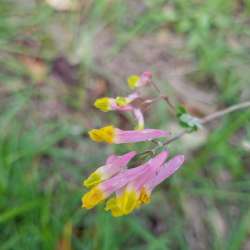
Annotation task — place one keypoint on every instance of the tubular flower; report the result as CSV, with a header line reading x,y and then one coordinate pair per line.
x,y
114,165
138,192
136,81
128,199
119,103
127,189
104,189
109,134
164,172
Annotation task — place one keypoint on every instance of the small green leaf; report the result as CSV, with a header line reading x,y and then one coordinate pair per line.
x,y
180,111
186,120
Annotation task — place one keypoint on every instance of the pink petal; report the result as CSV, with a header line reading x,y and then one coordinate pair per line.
x,y
133,96
121,160
115,163
139,116
123,178
166,170
145,78
129,136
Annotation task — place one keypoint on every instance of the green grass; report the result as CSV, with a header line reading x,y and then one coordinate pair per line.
x,y
43,160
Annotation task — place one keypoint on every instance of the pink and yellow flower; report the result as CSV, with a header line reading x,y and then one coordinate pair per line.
x,y
132,187
136,81
103,190
119,103
109,134
138,192
122,104
129,198
114,165
127,189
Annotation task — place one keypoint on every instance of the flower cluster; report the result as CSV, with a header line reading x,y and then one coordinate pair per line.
x,y
127,188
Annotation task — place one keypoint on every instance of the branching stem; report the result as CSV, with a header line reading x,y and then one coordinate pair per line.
x,y
210,118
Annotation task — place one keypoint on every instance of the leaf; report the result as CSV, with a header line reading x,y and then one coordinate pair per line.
x,y
186,120
180,111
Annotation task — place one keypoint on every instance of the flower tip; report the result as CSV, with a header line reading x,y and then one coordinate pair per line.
x,y
147,74
105,134
133,81
94,135
92,198
103,104
94,179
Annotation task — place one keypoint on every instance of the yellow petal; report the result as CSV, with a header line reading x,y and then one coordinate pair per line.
x,y
133,81
113,207
92,198
94,179
121,101
144,197
103,104
127,201
105,134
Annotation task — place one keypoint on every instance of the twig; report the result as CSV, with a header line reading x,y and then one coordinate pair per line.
x,y
210,118
164,97
223,112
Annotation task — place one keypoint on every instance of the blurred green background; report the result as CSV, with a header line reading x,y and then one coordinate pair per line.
x,y
57,57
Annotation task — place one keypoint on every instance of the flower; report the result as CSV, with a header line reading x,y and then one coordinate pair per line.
x,y
114,165
128,199
106,104
135,81
127,189
103,190
119,103
166,171
109,134
139,191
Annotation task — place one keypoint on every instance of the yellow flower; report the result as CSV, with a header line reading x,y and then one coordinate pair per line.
x,y
133,81
105,134
94,179
103,104
92,198
121,101
113,207
127,201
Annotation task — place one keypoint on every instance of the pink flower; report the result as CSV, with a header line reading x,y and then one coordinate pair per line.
x,y
122,104
138,191
166,171
109,134
119,103
136,81
103,190
114,165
